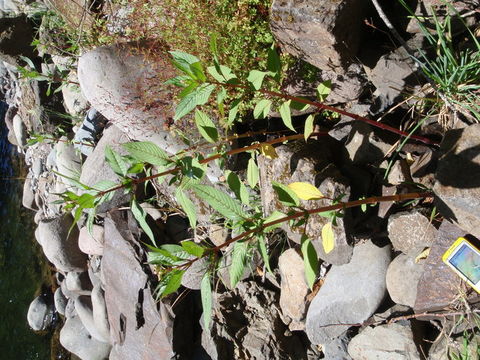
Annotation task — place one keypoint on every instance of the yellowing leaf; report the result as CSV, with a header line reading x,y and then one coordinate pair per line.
x,y
305,191
423,255
268,151
308,127
328,238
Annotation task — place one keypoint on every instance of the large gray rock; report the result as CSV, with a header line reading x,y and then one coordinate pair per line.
x,y
83,307
91,244
294,288
60,248
324,33
75,102
78,282
60,301
458,178
386,342
99,309
28,197
40,313
127,88
69,162
310,164
351,293
20,131
138,329
76,339
95,169
410,232
403,275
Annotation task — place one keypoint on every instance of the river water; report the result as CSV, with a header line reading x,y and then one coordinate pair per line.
x,y
22,266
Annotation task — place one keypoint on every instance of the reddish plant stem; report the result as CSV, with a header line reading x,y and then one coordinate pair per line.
x,y
336,110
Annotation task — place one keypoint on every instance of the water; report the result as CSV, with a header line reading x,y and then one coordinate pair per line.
x,y
22,267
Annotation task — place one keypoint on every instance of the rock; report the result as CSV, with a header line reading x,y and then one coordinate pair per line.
x,y
75,102
399,173
365,145
70,311
96,169
76,339
350,294
83,306
192,277
69,163
458,178
99,309
403,275
20,131
132,312
28,197
87,135
337,349
294,288
60,301
60,249
342,129
386,342
78,282
127,88
247,325
40,313
91,244
325,34
310,164
410,232
218,234
439,285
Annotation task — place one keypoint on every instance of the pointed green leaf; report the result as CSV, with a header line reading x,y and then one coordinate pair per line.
x,y
286,115
239,261
193,248
116,161
256,77
308,127
323,90
273,62
221,202
252,173
187,206
206,296
310,260
206,127
197,71
173,282
199,96
285,195
146,151
140,216
262,248
262,109
239,189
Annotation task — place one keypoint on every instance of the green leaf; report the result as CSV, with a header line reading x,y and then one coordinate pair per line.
x,y
206,127
239,260
222,74
192,248
273,217
221,96
197,71
262,109
284,111
116,161
308,127
199,96
91,219
206,296
238,188
300,106
323,90
252,173
262,248
187,206
273,62
146,151
183,56
140,216
178,80
256,77
221,202
328,238
285,195
232,114
163,257
310,260
173,282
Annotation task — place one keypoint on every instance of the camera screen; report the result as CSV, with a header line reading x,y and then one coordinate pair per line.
x,y
467,261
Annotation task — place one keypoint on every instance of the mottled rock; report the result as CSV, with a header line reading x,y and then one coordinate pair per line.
x,y
310,164
20,131
75,102
458,178
69,163
78,282
137,329
76,339
386,342
60,301
403,275
99,309
410,231
365,145
337,349
60,248
40,313
350,294
294,288
91,244
83,307
439,285
325,34
192,277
